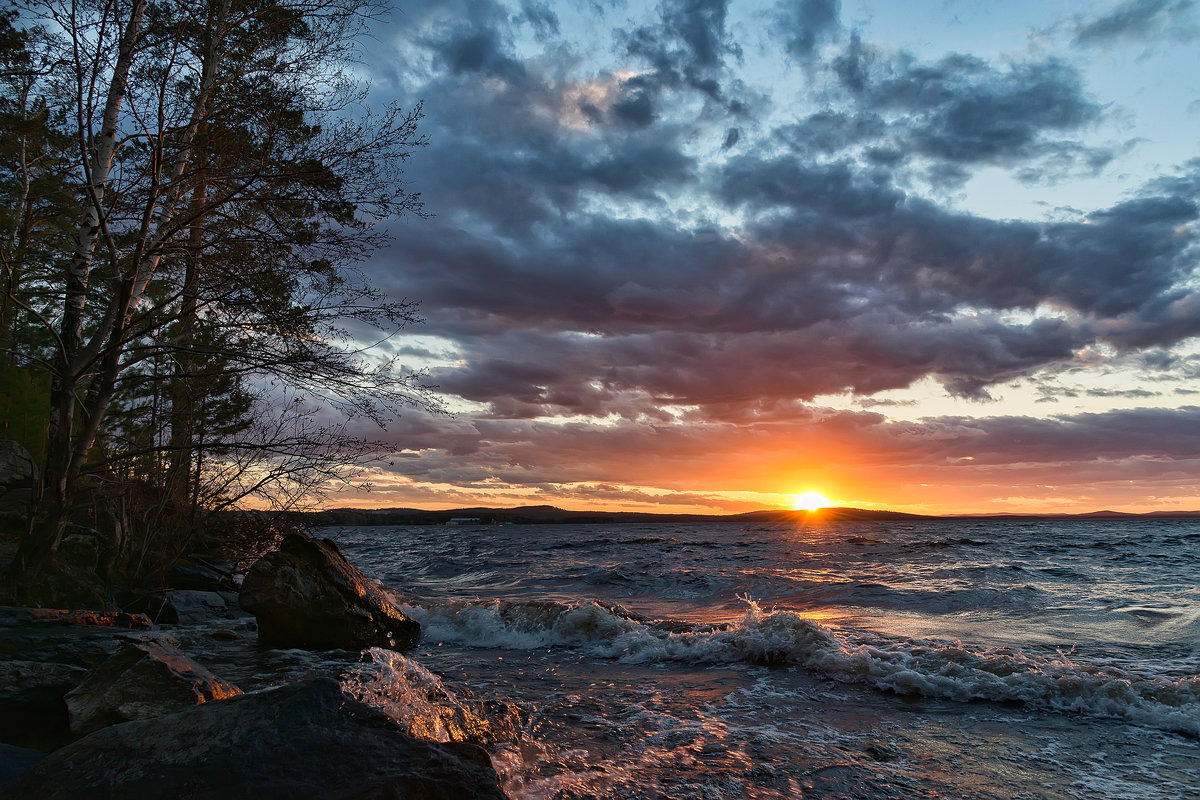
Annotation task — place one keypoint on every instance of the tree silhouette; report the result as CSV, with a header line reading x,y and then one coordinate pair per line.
x,y
219,178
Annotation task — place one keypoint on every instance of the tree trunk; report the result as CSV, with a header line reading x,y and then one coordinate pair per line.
x,y
37,548
182,405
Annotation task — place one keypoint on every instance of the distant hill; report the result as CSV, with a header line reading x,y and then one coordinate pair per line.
x,y
547,515
521,515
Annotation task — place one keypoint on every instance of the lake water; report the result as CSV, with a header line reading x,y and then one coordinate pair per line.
x,y
926,659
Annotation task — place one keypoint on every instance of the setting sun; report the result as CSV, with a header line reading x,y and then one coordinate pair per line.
x,y
809,500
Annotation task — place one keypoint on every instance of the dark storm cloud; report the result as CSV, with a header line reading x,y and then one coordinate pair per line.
x,y
1168,435
833,131
541,16
562,268
500,155
840,190
843,283
1123,265
806,24
634,375
475,42
1136,20
687,47
964,110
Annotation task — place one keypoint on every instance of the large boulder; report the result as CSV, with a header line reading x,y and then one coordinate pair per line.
x,y
140,681
303,741
307,595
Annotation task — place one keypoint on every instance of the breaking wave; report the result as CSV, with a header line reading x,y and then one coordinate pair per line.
x,y
928,668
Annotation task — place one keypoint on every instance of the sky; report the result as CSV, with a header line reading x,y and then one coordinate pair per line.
x,y
700,256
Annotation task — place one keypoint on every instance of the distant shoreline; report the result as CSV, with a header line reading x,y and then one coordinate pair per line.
x,y
551,515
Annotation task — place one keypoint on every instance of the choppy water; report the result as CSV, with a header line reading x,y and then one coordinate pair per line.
x,y
861,660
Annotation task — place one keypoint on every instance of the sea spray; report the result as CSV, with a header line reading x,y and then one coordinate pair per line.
x,y
424,706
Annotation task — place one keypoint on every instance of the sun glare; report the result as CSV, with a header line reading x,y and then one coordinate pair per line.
x,y
809,500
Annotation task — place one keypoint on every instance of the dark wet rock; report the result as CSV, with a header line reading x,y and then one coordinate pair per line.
x,y
78,638
17,469
37,682
16,504
17,477
141,681
155,606
224,635
45,653
194,606
32,710
200,574
186,606
307,595
15,762
299,742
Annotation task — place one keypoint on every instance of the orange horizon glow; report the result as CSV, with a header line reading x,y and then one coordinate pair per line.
x,y
768,483
953,503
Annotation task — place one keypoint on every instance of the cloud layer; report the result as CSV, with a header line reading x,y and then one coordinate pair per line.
x,y
645,257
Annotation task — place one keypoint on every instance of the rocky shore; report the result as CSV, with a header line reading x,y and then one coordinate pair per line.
x,y
112,704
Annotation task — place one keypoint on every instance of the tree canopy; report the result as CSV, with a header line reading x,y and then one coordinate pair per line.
x,y
185,189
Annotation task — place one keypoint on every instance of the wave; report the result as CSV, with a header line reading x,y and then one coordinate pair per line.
x,y
929,668
939,543
1017,600
407,692
425,707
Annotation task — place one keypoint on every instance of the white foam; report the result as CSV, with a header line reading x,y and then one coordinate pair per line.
x,y
928,668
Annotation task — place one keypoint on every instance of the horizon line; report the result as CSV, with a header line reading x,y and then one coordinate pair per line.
x,y
1098,513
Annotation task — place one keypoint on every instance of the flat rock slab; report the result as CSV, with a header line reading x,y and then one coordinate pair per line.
x,y
193,606
307,741
78,638
102,619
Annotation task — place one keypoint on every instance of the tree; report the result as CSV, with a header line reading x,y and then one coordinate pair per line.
x,y
224,182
